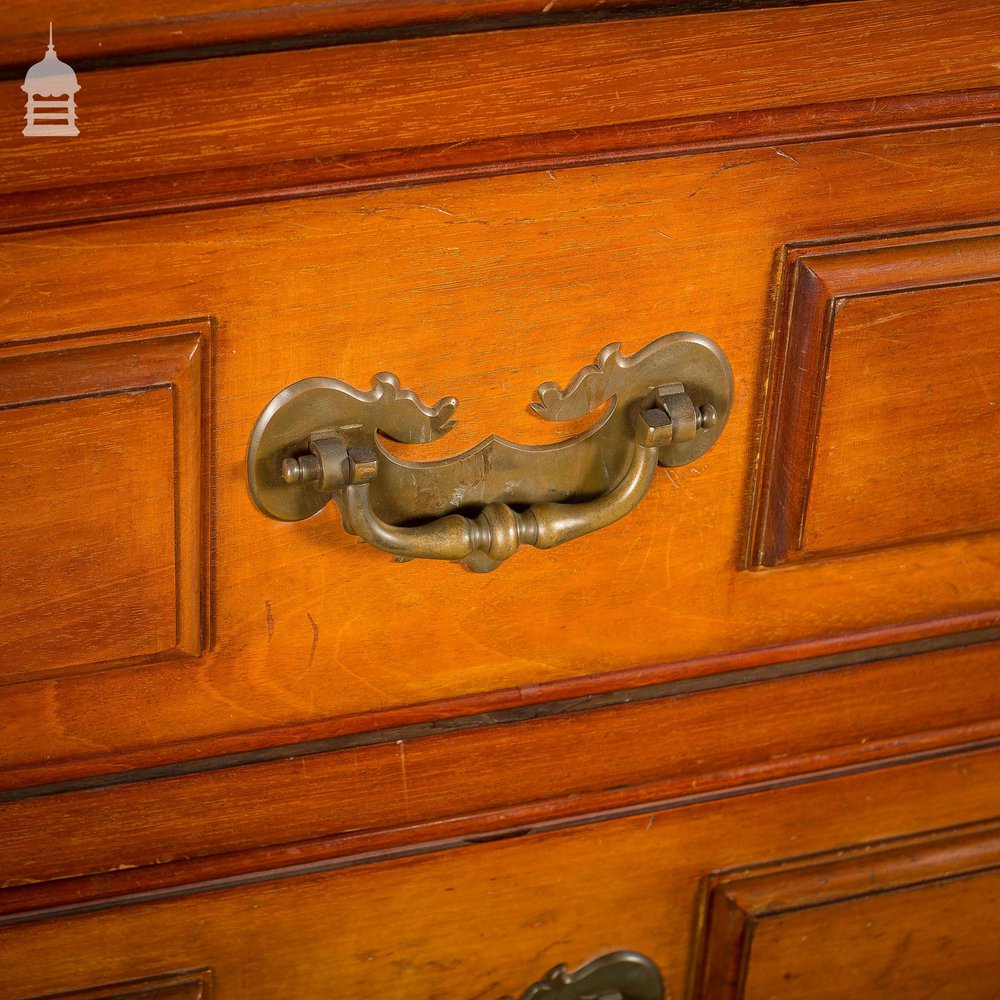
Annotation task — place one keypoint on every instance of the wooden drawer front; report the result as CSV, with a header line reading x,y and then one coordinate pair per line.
x,y
486,919
904,920
484,288
102,554
885,408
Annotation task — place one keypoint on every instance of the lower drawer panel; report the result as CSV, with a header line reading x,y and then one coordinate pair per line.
x,y
486,919
910,919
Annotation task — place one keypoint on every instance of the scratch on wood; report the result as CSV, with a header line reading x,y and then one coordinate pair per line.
x,y
402,772
315,640
787,156
434,208
664,235
722,168
678,483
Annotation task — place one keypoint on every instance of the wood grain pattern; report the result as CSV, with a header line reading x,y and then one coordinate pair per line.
x,y
916,917
398,792
85,587
480,211
103,542
884,397
317,175
924,439
488,918
207,115
193,985
106,32
428,282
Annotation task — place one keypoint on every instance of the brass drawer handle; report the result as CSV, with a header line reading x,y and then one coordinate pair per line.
x,y
621,975
317,440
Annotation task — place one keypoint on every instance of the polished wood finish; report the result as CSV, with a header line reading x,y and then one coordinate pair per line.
x,y
195,985
917,917
539,771
262,760
484,919
381,169
261,111
884,397
104,540
110,591
115,32
430,271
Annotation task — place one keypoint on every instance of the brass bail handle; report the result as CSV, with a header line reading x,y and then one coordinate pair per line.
x,y
618,975
317,441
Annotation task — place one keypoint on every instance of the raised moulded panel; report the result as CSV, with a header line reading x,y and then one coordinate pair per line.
x,y
103,525
884,401
194,984
917,917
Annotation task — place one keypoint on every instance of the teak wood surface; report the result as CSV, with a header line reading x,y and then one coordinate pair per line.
x,y
405,787
863,340
752,730
123,573
483,289
485,919
917,916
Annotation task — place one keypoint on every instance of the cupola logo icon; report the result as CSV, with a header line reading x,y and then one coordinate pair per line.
x,y
51,88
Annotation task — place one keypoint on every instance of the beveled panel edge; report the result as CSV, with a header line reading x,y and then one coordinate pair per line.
x,y
814,280
282,180
734,902
188,373
197,984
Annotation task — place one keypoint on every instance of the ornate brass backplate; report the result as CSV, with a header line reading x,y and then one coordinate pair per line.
x,y
318,440
619,975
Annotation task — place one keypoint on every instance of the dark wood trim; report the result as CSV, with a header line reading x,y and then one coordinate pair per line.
x,y
498,708
157,882
788,728
390,168
196,984
324,25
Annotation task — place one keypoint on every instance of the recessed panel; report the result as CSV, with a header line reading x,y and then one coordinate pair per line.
x,y
907,444
916,918
101,515
884,398
87,575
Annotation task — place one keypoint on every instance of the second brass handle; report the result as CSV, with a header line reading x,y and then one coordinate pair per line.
x,y
318,440
618,975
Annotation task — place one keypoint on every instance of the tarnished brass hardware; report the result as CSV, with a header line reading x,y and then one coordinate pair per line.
x,y
318,440
619,975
